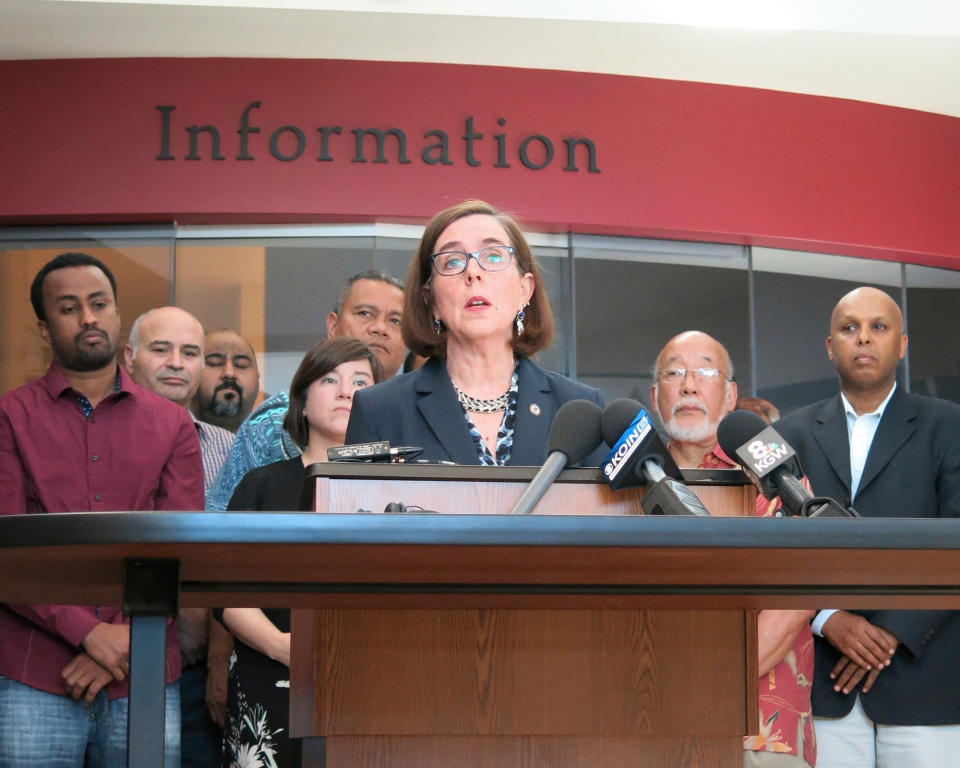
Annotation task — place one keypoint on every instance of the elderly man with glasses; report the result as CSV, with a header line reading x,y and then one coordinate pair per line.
x,y
693,389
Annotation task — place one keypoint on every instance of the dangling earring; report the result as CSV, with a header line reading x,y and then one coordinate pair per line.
x,y
436,326
520,317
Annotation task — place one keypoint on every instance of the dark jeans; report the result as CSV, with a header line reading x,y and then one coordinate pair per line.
x,y
200,737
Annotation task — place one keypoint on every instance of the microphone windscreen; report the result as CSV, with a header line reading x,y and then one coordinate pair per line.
x,y
575,431
738,428
617,417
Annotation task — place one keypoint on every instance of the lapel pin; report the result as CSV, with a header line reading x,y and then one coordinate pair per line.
x,y
534,409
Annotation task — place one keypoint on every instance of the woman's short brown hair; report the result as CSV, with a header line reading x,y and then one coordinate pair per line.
x,y
319,361
417,324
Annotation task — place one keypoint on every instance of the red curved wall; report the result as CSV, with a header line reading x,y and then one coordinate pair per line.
x,y
79,141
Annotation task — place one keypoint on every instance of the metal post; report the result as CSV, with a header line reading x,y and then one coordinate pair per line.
x,y
150,595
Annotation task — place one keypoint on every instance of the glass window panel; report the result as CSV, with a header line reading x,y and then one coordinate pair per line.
x,y
633,295
555,270
394,255
795,295
141,268
275,292
933,304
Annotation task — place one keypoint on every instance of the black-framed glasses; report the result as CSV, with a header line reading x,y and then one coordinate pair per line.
x,y
493,258
676,375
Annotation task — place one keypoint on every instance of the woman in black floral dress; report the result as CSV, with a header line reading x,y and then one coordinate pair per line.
x,y
258,688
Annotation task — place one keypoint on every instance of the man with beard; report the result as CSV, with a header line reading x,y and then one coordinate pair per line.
x,y
369,307
165,354
885,690
693,389
229,381
83,438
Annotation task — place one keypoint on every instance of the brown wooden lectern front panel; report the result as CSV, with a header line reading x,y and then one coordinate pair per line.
x,y
562,686
565,681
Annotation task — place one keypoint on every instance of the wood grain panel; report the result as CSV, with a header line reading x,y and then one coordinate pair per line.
x,y
527,752
503,672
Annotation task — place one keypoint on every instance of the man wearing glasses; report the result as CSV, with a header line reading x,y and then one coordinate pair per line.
x,y
692,391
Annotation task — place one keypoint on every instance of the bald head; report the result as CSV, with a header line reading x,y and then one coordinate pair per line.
x,y
713,351
692,391
866,341
165,353
868,297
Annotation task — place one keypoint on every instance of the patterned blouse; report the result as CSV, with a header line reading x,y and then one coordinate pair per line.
x,y
504,434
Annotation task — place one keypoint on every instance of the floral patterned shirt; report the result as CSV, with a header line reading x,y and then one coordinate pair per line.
x,y
785,689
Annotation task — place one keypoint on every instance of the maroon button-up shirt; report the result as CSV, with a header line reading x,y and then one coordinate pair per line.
x,y
136,452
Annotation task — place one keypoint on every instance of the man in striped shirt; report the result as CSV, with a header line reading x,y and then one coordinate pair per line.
x,y
165,354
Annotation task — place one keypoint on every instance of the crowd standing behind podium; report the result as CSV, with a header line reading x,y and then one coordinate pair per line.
x,y
881,687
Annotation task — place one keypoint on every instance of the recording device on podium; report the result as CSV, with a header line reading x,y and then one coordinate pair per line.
x,y
640,457
378,451
574,435
772,465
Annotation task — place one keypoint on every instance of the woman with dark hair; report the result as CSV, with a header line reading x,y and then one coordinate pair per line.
x,y
258,706
476,306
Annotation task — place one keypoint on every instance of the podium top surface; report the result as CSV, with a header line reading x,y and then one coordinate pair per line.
x,y
455,472
311,559
570,560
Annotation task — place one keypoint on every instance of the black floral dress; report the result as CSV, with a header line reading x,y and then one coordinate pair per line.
x,y
257,731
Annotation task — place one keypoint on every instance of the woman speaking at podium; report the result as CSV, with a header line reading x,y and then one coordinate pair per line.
x,y
476,306
258,705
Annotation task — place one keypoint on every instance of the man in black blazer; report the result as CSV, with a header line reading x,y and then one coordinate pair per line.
x,y
882,677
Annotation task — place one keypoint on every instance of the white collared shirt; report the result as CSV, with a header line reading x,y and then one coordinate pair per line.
x,y
861,429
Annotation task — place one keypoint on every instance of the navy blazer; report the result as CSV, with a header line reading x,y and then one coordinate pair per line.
x,y
912,470
421,408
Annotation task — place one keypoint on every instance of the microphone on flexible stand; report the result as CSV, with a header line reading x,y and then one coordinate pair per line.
x,y
640,457
772,465
574,435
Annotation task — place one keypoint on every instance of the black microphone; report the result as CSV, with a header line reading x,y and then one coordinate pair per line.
x,y
574,435
637,449
640,457
772,465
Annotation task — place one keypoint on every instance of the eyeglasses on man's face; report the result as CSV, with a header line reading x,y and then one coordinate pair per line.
x,y
493,258
677,375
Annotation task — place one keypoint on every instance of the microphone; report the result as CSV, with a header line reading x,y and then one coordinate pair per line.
x,y
772,465
574,435
640,457
637,446
378,451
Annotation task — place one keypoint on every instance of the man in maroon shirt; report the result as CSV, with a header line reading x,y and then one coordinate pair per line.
x,y
83,438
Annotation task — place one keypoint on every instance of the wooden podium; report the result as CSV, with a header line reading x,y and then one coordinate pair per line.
x,y
637,577
498,676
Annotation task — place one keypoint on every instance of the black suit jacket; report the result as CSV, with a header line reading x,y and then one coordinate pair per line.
x,y
421,409
912,470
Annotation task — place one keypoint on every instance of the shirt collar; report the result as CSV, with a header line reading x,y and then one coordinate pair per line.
x,y
849,409
56,382
715,458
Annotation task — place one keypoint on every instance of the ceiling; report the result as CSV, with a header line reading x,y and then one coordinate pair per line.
x,y
884,51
